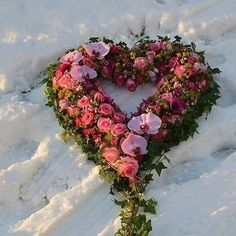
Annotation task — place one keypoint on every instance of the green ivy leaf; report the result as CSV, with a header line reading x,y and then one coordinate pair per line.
x,y
159,167
177,38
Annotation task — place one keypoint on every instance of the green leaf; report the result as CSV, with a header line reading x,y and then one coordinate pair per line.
x,y
159,167
216,70
93,39
177,38
150,206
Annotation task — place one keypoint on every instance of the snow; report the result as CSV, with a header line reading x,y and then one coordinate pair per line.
x,y
48,187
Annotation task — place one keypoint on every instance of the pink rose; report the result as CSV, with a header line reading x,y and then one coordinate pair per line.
x,y
118,129
166,45
120,79
111,154
106,109
199,67
114,141
107,69
128,167
191,86
99,97
151,56
202,84
174,62
119,117
156,46
83,102
193,57
167,96
130,85
63,104
66,82
140,62
87,118
192,72
89,131
179,71
104,124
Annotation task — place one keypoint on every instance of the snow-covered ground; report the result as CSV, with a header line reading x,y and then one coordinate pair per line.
x,y
46,186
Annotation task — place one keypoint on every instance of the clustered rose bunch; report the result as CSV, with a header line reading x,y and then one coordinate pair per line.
x,y
180,77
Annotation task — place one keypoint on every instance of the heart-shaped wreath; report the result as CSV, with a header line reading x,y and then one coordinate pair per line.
x,y
127,149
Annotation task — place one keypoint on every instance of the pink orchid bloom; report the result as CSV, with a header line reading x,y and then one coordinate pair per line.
x,y
134,145
98,49
70,57
81,73
146,123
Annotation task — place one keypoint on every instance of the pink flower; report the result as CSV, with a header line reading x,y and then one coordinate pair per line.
x,y
104,124
81,73
146,123
191,86
120,79
87,118
199,67
140,62
89,131
63,104
202,84
83,102
134,145
115,49
66,82
167,96
119,117
63,67
179,71
192,72
166,45
99,97
88,62
105,109
151,56
174,62
128,167
193,57
177,106
70,57
156,46
130,85
111,154
107,69
98,49
118,129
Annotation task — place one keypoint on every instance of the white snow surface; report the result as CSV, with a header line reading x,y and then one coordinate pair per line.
x,y
48,187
